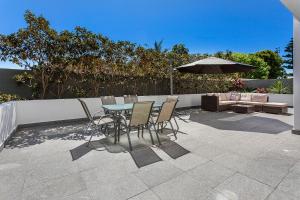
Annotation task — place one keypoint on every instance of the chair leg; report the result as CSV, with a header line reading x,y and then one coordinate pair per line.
x,y
162,127
142,131
119,131
116,134
138,131
177,127
175,133
105,129
156,132
88,144
129,141
86,130
151,135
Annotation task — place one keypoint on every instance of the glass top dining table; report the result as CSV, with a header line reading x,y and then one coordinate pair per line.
x,y
116,110
126,106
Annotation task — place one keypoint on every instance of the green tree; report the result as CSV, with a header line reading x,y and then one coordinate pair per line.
x,y
227,55
33,48
261,67
289,55
274,60
158,46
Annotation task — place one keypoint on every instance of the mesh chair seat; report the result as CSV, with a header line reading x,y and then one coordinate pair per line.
x,y
108,100
172,98
140,116
104,120
130,98
165,115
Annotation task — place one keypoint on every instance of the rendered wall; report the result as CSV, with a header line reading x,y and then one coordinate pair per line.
x,y
296,74
35,111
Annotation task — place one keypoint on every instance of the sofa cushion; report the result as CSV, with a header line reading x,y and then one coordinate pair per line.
x,y
223,97
255,103
263,98
277,105
246,97
227,102
242,102
235,97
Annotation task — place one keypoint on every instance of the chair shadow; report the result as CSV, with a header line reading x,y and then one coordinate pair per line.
x,y
75,131
31,136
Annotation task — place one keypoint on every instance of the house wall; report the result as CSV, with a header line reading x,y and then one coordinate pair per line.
x,y
8,84
297,75
260,83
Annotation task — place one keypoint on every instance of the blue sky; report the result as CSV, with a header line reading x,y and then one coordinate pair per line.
x,y
202,25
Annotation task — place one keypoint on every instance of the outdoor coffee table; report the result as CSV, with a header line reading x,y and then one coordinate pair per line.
x,y
243,108
117,109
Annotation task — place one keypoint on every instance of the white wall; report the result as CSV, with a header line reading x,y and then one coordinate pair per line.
x,y
17,113
8,120
281,98
35,111
297,74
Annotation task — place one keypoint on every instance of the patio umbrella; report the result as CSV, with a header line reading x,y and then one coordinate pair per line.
x,y
213,65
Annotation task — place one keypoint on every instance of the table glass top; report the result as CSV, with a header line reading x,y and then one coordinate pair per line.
x,y
127,106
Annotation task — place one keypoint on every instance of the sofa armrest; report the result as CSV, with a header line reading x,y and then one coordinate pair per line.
x,y
210,103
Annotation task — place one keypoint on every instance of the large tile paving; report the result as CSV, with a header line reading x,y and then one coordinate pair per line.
x,y
243,187
233,157
211,173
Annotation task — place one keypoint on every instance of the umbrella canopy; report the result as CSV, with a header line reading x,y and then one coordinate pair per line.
x,y
213,65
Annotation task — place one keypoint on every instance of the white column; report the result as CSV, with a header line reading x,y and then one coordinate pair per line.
x,y
296,76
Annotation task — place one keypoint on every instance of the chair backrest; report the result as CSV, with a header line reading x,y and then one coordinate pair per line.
x,y
172,98
86,110
141,113
166,111
130,98
108,100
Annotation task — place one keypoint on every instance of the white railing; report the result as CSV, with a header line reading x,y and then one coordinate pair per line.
x,y
8,121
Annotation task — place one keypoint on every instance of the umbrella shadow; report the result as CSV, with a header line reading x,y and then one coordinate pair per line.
x,y
240,122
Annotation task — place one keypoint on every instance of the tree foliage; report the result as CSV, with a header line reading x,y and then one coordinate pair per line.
x,y
289,55
274,61
262,68
79,63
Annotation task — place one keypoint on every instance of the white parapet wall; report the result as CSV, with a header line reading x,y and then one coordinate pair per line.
x,y
8,121
14,114
37,111
282,98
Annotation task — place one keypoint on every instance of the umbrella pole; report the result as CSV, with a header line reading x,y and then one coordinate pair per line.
x,y
171,80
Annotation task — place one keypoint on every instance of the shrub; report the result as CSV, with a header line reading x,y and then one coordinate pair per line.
x,y
279,88
238,84
8,97
261,90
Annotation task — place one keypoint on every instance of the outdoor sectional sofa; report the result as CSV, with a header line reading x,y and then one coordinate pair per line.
x,y
217,102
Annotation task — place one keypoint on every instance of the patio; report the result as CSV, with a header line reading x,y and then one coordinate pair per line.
x,y
232,156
